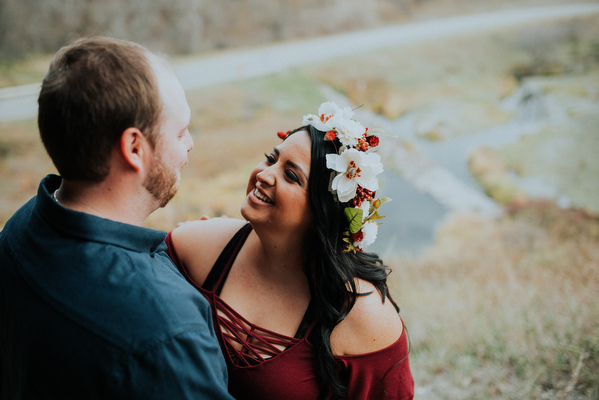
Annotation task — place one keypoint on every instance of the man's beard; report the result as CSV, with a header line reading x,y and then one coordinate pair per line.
x,y
161,183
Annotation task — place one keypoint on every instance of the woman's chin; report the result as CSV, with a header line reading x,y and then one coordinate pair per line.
x,y
245,210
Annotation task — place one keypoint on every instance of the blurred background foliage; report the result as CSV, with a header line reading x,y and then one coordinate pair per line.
x,y
192,26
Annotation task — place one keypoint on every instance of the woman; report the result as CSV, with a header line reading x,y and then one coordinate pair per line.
x,y
300,310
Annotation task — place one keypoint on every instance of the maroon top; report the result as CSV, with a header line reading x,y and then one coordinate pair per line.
x,y
260,370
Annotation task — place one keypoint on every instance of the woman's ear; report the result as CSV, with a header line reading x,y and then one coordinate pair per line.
x,y
134,146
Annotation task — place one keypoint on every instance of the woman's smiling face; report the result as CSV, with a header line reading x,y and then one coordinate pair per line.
x,y
277,192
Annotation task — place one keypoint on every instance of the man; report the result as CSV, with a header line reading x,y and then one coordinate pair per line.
x,y
90,305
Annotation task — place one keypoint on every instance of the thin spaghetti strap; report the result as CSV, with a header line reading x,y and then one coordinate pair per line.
x,y
225,260
307,321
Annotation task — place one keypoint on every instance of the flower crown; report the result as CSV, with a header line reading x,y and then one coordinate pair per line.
x,y
355,169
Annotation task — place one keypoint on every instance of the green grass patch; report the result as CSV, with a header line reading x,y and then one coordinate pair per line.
x,y
29,70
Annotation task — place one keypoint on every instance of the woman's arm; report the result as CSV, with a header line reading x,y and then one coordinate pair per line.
x,y
199,243
371,325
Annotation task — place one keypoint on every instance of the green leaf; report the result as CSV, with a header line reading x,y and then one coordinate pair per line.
x,y
378,202
379,131
349,246
354,218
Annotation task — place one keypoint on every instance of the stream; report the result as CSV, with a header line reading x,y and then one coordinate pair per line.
x,y
433,180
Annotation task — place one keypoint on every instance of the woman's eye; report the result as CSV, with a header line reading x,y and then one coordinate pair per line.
x,y
269,158
292,176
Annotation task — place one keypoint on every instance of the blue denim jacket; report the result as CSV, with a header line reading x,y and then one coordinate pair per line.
x,y
92,308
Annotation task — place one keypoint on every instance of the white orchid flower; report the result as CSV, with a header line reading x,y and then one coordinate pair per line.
x,y
348,130
330,108
315,121
355,168
329,116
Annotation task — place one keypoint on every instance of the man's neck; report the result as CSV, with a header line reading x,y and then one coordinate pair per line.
x,y
116,201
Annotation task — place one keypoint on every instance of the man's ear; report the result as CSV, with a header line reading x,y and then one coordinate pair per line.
x,y
134,147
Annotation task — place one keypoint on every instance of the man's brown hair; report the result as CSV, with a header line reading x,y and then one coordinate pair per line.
x,y
95,89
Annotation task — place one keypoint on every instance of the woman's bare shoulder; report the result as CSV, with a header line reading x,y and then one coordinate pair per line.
x,y
371,325
199,243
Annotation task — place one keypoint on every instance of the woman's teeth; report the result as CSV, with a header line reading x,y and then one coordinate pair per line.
x,y
261,196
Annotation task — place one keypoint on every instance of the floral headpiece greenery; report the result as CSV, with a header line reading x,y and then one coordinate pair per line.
x,y
355,168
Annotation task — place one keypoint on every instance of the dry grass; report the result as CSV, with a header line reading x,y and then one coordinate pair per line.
x,y
492,174
29,70
563,156
506,309
23,162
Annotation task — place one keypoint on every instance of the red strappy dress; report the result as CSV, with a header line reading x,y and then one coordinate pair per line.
x,y
262,371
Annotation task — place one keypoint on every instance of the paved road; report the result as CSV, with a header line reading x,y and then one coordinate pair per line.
x,y
20,102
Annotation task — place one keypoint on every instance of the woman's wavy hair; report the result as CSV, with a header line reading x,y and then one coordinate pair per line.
x,y
330,270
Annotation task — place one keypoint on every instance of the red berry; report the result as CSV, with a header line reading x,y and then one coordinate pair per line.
x,y
358,236
373,141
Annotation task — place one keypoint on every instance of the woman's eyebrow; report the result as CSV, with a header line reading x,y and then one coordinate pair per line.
x,y
294,165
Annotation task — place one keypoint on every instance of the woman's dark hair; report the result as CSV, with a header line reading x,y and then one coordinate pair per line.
x,y
330,270
94,90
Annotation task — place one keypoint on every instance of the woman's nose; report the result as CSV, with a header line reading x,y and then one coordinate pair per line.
x,y
266,176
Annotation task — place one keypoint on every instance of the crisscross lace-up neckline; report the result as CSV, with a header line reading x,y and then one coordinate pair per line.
x,y
247,343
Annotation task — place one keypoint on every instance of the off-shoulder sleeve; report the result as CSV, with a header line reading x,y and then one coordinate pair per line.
x,y
383,374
